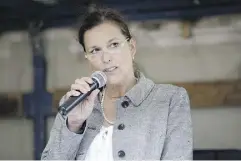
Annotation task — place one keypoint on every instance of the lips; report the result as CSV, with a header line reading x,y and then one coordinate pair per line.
x,y
110,69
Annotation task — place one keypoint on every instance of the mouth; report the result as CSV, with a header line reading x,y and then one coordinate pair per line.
x,y
110,69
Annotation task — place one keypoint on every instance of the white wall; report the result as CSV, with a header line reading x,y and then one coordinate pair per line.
x,y
213,53
16,139
15,63
217,128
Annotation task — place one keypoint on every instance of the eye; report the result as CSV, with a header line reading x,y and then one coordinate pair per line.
x,y
114,44
95,51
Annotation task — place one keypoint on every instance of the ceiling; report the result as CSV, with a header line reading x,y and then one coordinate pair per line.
x,y
17,14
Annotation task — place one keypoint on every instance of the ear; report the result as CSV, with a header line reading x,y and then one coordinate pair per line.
x,y
132,44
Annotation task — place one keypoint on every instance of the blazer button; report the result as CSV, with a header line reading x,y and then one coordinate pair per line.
x,y
121,153
121,126
125,104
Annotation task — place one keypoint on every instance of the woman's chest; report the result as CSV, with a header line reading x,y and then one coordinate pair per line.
x,y
136,130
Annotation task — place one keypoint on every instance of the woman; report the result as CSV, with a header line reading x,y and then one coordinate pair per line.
x,y
131,118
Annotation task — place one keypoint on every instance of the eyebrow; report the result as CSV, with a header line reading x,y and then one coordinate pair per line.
x,y
115,38
92,47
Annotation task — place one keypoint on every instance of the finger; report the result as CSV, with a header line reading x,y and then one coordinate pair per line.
x,y
82,83
80,87
93,95
88,80
72,93
85,79
75,93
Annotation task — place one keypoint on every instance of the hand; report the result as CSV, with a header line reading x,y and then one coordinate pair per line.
x,y
82,111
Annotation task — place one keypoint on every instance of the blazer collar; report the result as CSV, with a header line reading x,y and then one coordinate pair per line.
x,y
138,93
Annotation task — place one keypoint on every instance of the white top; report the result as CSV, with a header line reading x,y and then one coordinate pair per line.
x,y
101,147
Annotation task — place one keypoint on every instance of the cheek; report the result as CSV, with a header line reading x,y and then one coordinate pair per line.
x,y
95,66
125,60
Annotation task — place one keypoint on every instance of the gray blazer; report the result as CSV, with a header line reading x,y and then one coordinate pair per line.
x,y
153,122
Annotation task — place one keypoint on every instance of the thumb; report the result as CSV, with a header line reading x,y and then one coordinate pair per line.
x,y
93,95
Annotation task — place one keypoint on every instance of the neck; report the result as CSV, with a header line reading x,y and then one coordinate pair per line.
x,y
116,91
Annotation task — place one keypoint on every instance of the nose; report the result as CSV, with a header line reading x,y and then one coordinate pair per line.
x,y
106,57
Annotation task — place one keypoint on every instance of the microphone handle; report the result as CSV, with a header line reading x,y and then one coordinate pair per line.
x,y
73,101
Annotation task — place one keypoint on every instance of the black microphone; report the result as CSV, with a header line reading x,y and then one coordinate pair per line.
x,y
99,80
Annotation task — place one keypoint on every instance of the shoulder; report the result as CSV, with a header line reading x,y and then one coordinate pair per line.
x,y
176,100
170,92
159,93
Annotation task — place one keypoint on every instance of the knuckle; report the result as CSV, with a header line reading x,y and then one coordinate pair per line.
x,y
83,84
77,80
89,79
86,79
81,81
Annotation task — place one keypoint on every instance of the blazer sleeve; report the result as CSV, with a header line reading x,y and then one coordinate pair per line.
x,y
62,144
179,138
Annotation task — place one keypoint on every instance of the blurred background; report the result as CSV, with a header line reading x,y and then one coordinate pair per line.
x,y
197,41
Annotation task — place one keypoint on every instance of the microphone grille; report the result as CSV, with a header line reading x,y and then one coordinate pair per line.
x,y
100,77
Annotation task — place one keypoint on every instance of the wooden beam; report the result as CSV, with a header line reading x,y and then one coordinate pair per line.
x,y
11,105
214,94
57,95
202,95
205,95
186,29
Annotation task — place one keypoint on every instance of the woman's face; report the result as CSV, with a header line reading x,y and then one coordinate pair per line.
x,y
108,50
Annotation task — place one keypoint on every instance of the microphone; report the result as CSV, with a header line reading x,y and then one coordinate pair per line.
x,y
99,80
